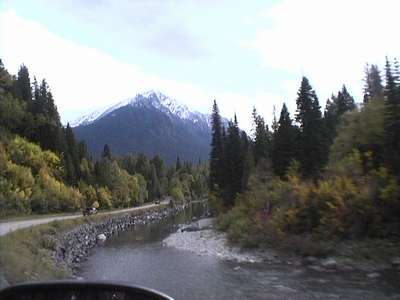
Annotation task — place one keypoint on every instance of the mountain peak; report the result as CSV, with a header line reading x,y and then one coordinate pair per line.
x,y
153,98
150,123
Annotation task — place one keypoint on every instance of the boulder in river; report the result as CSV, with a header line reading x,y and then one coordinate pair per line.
x,y
3,282
373,275
396,262
101,237
329,263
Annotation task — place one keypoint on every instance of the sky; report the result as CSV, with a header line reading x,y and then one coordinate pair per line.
x,y
95,53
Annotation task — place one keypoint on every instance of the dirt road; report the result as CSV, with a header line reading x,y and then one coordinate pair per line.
x,y
6,227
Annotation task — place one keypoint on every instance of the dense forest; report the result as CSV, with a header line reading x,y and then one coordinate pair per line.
x,y
43,168
320,174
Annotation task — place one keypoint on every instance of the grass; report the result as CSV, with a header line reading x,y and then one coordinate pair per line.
x,y
27,254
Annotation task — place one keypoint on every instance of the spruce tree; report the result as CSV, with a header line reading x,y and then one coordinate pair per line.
x,y
247,159
73,155
178,165
154,184
23,85
233,164
373,87
262,138
216,154
313,145
284,145
335,108
392,120
345,102
106,152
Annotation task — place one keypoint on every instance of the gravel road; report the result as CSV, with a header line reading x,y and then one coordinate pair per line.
x,y
6,227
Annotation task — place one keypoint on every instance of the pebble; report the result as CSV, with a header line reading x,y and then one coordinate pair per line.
x,y
101,237
329,263
396,262
317,268
373,275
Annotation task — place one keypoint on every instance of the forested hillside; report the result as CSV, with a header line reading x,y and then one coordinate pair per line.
x,y
331,174
43,168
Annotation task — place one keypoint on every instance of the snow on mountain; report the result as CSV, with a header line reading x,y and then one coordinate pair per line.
x,y
153,98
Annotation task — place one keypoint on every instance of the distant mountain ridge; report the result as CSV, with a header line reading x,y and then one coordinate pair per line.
x,y
150,123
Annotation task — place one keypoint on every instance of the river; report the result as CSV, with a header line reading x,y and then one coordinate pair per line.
x,y
140,256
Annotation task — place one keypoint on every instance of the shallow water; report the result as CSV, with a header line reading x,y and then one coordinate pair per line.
x,y
139,257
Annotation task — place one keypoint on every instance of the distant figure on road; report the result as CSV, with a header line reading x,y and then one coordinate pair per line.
x,y
89,211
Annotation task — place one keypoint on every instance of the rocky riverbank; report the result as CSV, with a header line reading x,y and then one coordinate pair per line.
x,y
200,238
72,247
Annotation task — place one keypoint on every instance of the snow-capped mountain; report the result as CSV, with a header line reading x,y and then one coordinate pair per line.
x,y
153,98
150,123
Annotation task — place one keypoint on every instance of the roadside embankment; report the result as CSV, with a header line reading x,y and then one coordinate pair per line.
x,y
54,250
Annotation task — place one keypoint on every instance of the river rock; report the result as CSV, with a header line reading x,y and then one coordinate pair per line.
x,y
373,275
309,260
190,228
396,262
317,268
329,263
3,282
101,237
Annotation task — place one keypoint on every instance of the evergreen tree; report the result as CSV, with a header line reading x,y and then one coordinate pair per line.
x,y
154,184
233,164
72,156
106,152
216,154
178,165
23,85
247,158
284,145
262,138
161,173
345,102
392,119
7,84
313,150
373,87
143,166
335,108
82,150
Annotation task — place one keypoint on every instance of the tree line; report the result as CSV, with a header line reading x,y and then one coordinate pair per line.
x,y
335,171
45,169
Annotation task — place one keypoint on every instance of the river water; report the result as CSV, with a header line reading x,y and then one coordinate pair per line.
x,y
139,256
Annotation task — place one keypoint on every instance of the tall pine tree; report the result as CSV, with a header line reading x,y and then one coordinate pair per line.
x,y
313,145
373,87
216,154
335,108
106,152
392,119
284,147
234,163
23,88
262,138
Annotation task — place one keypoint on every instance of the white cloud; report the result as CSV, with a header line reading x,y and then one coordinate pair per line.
x,y
81,78
328,41
84,79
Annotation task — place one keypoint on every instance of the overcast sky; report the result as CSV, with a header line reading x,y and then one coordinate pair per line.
x,y
242,53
